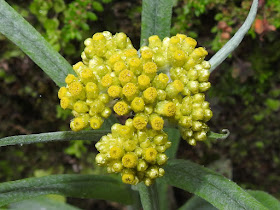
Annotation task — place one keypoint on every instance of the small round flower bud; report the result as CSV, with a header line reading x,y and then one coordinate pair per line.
x,y
160,81
70,78
75,89
115,91
96,122
166,108
91,90
198,114
204,86
200,135
152,172
126,76
154,41
156,122
150,69
119,66
106,112
197,125
130,90
79,123
116,152
138,104
150,95
161,172
151,155
100,159
161,95
77,66
121,108
62,92
128,178
143,81
142,165
161,159
130,160
117,166
66,102
193,86
129,145
207,114
140,122
81,107
107,80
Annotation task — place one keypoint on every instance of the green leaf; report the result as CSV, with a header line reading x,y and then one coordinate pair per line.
x,y
93,135
41,202
156,19
214,188
174,136
212,136
97,6
59,6
234,42
92,16
197,203
148,196
80,186
266,199
19,31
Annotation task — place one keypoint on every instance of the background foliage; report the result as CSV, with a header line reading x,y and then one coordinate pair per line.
x,y
244,95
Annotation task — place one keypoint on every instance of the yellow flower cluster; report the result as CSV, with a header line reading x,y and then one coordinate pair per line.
x,y
137,154
163,81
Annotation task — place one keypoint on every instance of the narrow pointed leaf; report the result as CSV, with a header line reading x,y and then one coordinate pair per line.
x,y
209,185
41,202
29,40
148,196
79,186
266,199
93,135
156,19
233,43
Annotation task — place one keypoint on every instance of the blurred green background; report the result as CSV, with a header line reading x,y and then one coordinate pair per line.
x,y
245,93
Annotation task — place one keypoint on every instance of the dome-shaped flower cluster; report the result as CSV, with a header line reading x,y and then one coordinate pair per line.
x,y
137,154
163,81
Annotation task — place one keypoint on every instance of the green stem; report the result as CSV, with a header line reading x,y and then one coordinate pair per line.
x,y
148,196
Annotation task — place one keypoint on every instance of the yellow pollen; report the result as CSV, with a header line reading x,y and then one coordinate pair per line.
x,y
114,91
130,160
121,108
150,68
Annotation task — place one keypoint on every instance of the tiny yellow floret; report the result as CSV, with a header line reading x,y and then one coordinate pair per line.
x,y
121,108
116,152
75,88
129,160
138,104
150,94
151,155
126,76
77,66
139,122
157,123
106,81
96,122
70,78
62,92
128,178
150,68
130,90
114,91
